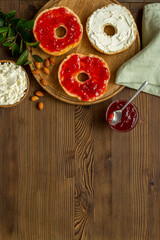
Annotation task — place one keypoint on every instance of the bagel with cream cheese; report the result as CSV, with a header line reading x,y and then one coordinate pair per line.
x,y
118,17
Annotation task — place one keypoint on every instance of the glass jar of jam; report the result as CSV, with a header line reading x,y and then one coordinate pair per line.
x,y
130,115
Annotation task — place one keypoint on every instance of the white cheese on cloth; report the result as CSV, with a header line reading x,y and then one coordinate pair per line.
x,y
13,83
118,17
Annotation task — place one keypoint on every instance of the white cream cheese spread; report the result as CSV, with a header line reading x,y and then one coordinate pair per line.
x,y
13,83
118,17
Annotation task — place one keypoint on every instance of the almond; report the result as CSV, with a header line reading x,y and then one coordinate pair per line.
x,y
39,94
47,63
44,82
52,60
36,71
40,106
34,98
46,70
38,65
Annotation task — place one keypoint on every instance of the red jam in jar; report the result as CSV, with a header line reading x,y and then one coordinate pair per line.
x,y
129,118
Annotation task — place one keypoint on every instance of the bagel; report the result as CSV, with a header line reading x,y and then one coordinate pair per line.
x,y
118,17
45,26
98,76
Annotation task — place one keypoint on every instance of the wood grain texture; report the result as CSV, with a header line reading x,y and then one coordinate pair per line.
x,y
65,175
103,175
114,61
84,174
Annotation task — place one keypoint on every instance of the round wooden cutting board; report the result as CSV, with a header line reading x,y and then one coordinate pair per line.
x,y
83,9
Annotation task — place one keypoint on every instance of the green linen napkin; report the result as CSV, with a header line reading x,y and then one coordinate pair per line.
x,y
145,66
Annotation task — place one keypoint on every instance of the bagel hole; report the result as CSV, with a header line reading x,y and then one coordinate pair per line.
x,y
82,77
60,32
109,30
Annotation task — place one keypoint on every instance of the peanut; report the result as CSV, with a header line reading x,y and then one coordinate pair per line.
x,y
47,63
46,70
38,65
36,71
39,94
52,60
40,106
34,98
44,82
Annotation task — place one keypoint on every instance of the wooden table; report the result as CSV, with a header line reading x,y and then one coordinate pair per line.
x,y
65,175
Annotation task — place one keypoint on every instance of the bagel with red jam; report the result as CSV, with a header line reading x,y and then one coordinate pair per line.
x,y
98,76
46,24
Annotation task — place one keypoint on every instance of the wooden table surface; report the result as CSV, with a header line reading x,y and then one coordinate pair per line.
x,y
65,175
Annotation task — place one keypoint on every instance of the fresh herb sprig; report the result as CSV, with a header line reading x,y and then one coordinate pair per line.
x,y
16,34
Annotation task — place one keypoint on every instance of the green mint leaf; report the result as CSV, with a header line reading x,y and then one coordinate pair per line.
x,y
20,23
7,44
9,39
27,36
11,14
3,30
28,25
15,49
23,58
15,21
1,22
2,38
37,58
6,24
35,44
22,46
11,32
28,62
3,15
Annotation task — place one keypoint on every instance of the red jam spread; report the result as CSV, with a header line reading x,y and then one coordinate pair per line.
x,y
129,116
98,76
49,21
